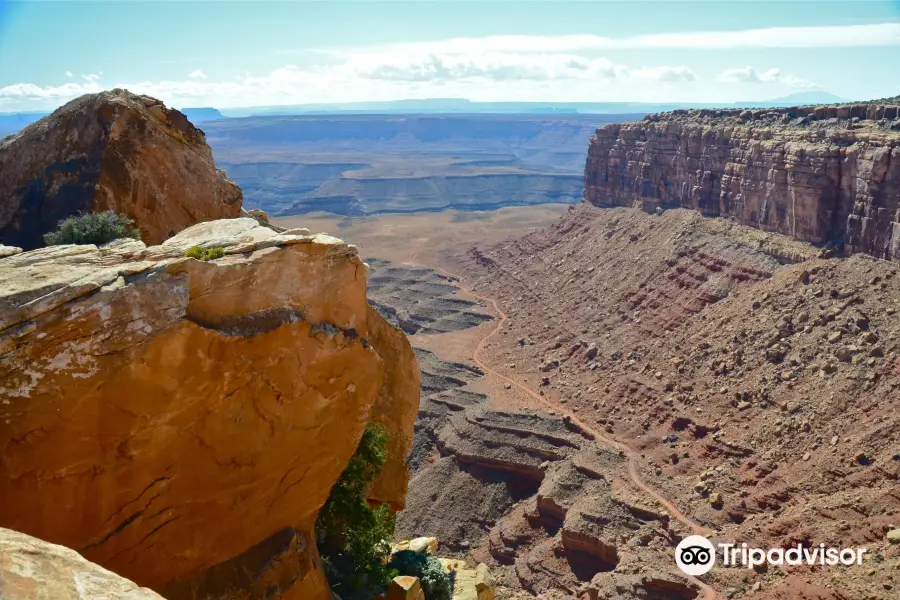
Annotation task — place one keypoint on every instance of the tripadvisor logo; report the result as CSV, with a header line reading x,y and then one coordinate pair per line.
x,y
696,555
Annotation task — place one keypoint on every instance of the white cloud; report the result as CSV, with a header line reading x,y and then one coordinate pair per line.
x,y
511,67
750,75
832,36
69,74
498,66
666,74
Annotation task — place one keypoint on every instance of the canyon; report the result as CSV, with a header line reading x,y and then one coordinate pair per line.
x,y
707,344
369,164
657,370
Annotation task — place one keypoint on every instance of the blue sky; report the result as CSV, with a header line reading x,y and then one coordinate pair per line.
x,y
243,53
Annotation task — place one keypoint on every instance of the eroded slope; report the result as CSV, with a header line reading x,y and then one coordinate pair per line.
x,y
755,380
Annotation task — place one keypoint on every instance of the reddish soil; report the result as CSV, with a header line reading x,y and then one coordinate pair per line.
x,y
746,385
751,383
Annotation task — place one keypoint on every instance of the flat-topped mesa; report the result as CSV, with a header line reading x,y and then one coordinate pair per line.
x,y
181,421
823,174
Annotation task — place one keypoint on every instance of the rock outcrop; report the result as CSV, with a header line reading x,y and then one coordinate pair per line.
x,y
31,569
181,422
818,174
110,151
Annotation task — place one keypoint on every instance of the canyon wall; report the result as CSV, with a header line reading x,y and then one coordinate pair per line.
x,y
818,174
180,422
110,151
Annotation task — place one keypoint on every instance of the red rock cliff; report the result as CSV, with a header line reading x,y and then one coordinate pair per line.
x,y
818,174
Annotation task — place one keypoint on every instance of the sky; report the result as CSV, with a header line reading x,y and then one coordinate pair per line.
x,y
229,54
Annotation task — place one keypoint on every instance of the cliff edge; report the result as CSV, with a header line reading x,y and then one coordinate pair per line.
x,y
827,174
180,422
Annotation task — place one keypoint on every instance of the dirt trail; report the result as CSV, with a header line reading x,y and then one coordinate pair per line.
x,y
632,456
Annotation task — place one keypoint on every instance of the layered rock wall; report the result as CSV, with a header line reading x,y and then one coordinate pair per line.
x,y
181,422
818,174
110,151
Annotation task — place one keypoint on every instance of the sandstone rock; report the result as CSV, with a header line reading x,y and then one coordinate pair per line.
x,y
405,588
31,569
113,150
396,407
893,536
9,251
181,422
549,364
422,545
797,181
470,584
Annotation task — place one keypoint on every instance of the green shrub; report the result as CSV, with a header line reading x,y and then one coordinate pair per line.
x,y
350,533
435,581
99,228
204,254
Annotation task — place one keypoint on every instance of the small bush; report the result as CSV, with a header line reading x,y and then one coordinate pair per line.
x,y
214,253
429,570
350,533
204,254
99,228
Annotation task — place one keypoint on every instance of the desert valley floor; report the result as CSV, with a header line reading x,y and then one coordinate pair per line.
x,y
598,383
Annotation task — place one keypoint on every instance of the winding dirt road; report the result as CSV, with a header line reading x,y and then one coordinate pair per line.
x,y
632,456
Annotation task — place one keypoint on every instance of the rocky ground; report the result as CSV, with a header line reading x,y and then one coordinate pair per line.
x,y
530,492
756,381
419,299
673,359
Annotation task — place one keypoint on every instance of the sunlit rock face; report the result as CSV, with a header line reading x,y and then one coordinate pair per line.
x,y
180,422
111,151
818,174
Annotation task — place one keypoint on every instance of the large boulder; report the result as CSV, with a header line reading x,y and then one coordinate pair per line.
x,y
110,151
31,569
181,422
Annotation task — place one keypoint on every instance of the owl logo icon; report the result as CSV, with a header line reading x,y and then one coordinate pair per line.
x,y
695,555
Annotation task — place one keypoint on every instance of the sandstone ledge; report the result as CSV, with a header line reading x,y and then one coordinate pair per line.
x,y
31,569
179,421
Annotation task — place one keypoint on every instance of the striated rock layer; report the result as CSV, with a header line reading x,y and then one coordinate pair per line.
x,y
111,151
181,422
818,174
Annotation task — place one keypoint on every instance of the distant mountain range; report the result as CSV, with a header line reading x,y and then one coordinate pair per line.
x,y
12,122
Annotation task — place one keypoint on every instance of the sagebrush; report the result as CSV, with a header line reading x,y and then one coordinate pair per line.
x,y
93,228
351,534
